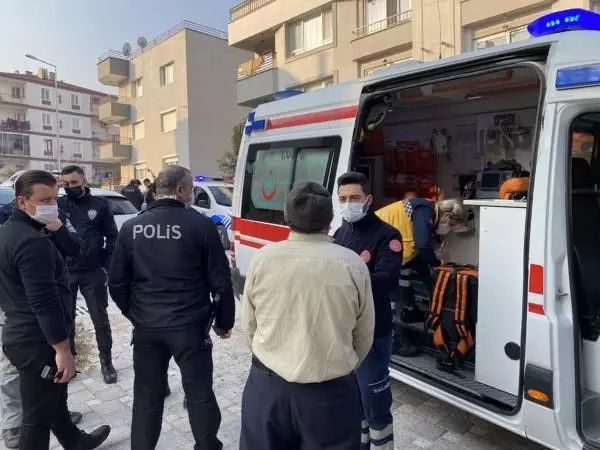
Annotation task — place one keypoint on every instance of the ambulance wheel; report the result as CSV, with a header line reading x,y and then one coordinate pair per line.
x,y
223,236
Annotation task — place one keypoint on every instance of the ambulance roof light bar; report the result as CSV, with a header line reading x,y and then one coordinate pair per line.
x,y
567,20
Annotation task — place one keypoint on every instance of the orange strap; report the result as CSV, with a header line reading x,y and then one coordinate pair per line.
x,y
439,295
466,341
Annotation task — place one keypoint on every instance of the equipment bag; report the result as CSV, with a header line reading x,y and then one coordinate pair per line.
x,y
452,312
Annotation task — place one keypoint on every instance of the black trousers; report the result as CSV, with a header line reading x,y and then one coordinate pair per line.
x,y
93,287
278,415
192,351
44,402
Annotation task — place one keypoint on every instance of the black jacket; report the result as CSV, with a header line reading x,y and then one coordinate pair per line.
x,y
93,220
66,240
167,263
34,291
134,195
380,246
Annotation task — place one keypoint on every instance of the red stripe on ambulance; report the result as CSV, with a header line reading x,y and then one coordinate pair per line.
x,y
347,112
536,286
258,230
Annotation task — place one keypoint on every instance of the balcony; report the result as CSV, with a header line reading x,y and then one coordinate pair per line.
x,y
15,125
117,148
245,8
385,35
14,144
114,109
257,80
113,68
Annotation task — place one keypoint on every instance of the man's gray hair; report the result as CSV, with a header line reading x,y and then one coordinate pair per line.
x,y
308,208
170,178
452,207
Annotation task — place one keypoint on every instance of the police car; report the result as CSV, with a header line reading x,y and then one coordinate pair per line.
x,y
212,197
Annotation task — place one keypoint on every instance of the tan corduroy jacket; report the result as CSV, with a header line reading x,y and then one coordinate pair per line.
x,y
308,308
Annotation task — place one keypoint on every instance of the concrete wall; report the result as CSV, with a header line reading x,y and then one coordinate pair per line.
x,y
212,100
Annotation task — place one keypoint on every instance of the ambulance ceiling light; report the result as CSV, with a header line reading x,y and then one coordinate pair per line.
x,y
567,20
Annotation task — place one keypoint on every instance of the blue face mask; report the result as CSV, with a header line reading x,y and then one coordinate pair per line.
x,y
353,212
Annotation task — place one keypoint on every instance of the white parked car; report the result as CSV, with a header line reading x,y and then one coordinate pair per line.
x,y
212,197
11,181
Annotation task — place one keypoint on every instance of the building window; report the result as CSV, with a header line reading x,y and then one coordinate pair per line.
x,y
167,75
140,171
380,14
170,161
371,70
49,167
19,116
309,33
317,85
168,121
18,92
46,96
596,6
139,130
96,153
506,37
77,150
75,102
137,88
76,125
46,122
48,148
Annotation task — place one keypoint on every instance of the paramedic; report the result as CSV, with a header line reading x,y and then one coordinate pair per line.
x,y
380,247
168,262
418,220
308,319
36,299
93,219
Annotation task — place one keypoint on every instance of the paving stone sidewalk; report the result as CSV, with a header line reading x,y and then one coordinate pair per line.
x,y
420,421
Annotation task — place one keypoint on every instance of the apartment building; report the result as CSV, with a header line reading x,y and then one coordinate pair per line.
x,y
177,101
309,44
28,124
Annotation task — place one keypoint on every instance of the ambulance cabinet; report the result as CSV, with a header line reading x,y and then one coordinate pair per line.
x,y
501,226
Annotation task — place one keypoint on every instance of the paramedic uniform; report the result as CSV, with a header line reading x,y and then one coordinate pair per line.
x,y
380,247
168,261
416,220
308,319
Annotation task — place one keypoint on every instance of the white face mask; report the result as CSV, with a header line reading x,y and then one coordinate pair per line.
x,y
353,212
45,214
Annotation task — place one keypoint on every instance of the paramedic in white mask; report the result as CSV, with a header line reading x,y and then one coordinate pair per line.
x,y
418,221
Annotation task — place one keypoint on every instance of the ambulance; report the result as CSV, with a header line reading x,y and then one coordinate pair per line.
x,y
461,127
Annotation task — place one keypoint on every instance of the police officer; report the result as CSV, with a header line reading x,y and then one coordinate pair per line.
x,y
133,194
93,219
380,247
168,262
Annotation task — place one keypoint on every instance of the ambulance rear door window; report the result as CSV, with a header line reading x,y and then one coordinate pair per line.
x,y
273,169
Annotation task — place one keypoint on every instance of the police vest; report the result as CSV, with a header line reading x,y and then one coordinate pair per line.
x,y
399,215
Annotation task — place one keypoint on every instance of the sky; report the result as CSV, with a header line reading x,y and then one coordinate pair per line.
x,y
71,34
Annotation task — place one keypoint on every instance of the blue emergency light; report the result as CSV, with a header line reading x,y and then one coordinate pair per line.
x,y
567,20
201,178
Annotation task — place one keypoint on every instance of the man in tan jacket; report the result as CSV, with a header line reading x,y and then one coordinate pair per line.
x,y
308,317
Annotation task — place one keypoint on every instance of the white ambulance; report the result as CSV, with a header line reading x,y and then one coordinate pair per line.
x,y
461,126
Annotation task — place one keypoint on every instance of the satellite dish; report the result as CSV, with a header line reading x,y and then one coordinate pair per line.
x,y
142,42
127,49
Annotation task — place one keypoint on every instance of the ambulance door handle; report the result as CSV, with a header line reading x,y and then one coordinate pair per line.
x,y
560,294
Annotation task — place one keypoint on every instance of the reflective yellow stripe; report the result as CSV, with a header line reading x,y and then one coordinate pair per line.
x,y
381,434
404,283
396,216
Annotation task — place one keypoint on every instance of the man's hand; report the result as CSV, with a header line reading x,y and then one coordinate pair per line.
x,y
54,225
65,366
223,334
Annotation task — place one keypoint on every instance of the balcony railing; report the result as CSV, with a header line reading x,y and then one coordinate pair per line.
x,y
116,140
245,8
186,25
15,125
381,25
114,98
256,65
14,144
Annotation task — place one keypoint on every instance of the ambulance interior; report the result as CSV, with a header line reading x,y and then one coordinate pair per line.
x,y
585,261
463,139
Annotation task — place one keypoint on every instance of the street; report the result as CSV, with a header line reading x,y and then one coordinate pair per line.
x,y
419,420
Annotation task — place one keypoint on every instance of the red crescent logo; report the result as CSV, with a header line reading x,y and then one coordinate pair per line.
x,y
365,256
395,245
271,188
